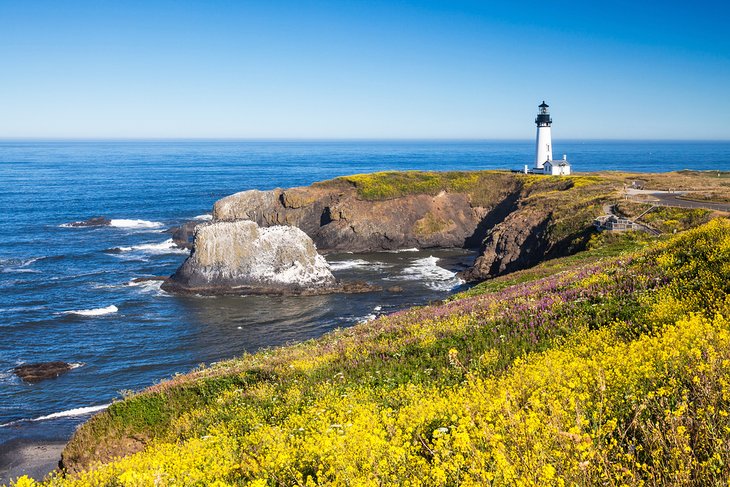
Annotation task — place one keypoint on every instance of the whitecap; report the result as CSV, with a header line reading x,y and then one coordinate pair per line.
x,y
6,376
18,265
152,286
83,411
341,265
414,249
93,312
166,247
367,318
207,216
126,223
16,309
433,276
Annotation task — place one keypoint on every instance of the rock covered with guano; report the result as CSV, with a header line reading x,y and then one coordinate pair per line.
x,y
239,257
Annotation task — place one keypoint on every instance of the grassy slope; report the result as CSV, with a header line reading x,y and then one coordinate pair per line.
x,y
612,366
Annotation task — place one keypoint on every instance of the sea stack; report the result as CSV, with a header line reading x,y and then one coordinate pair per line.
x,y
239,257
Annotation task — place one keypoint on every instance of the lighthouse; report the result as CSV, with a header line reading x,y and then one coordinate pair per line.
x,y
544,163
544,143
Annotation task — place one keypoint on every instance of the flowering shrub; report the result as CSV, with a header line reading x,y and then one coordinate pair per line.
x,y
615,373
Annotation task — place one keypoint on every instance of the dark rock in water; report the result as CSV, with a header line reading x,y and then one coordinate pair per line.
x,y
183,235
94,221
357,287
33,373
148,279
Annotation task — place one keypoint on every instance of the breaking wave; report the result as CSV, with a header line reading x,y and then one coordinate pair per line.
x,y
152,286
73,412
340,265
433,276
93,312
207,216
124,223
166,247
18,265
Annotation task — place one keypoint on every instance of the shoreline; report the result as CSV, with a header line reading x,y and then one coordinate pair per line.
x,y
35,458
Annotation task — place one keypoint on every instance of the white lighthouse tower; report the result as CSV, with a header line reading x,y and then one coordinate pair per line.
x,y
544,143
544,163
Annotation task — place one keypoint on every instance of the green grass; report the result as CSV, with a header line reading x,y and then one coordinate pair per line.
x,y
601,246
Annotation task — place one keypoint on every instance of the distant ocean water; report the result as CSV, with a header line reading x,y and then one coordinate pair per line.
x,y
65,293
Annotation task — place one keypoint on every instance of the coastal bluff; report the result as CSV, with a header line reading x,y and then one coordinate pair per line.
x,y
514,220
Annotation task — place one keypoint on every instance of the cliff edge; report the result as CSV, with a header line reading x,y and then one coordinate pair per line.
x,y
514,220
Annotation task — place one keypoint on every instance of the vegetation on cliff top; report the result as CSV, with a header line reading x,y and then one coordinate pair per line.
x,y
612,367
482,186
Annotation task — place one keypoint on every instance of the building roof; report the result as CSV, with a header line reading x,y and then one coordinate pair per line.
x,y
543,105
559,162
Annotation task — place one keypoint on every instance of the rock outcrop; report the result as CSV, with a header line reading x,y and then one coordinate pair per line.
x,y
239,257
182,236
94,221
510,218
339,221
514,220
518,242
33,373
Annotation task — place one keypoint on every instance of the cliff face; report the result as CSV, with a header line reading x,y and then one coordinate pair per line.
x,y
339,221
514,220
240,257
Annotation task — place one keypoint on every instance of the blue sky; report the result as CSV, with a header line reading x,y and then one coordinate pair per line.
x,y
371,69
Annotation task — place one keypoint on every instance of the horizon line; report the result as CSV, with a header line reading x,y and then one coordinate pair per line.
x,y
339,139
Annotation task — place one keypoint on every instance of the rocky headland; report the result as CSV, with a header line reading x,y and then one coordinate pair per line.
x,y
513,220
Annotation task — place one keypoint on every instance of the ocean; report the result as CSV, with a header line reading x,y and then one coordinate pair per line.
x,y
67,293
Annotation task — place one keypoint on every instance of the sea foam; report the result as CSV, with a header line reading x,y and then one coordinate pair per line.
x,y
73,412
18,265
93,312
152,287
125,223
166,247
340,265
433,276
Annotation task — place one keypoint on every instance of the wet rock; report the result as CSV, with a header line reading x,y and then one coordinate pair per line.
x,y
395,289
94,221
357,287
37,372
183,235
138,280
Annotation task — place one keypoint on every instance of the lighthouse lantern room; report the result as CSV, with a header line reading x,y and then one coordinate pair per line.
x,y
544,163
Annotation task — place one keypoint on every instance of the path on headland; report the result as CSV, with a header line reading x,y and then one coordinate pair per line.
x,y
672,198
